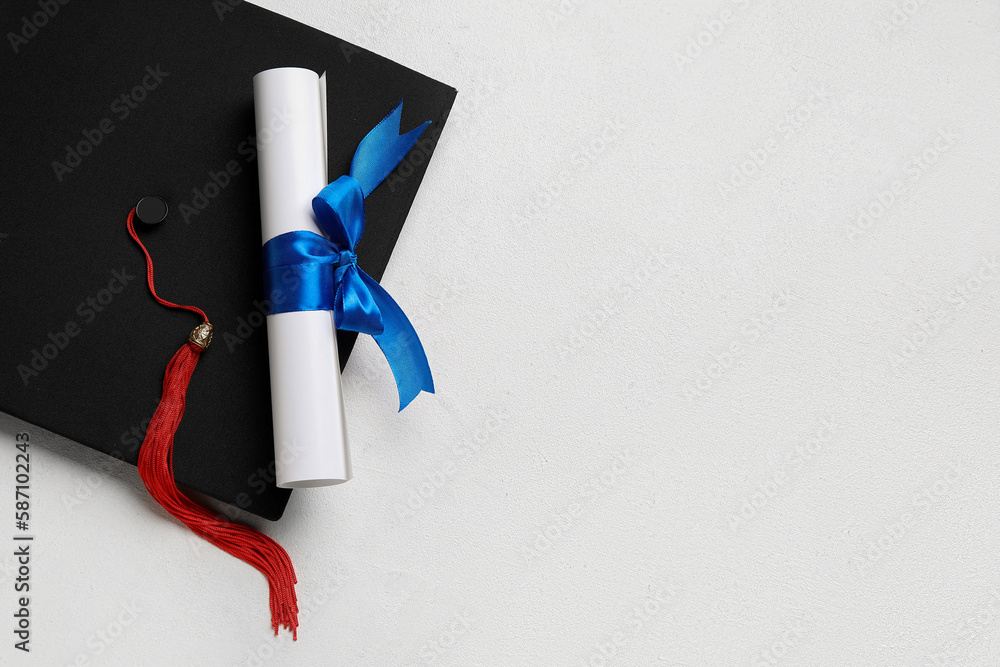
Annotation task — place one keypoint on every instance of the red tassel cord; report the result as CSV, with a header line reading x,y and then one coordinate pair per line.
x,y
156,468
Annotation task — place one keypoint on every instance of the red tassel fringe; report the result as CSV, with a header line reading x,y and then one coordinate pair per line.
x,y
157,471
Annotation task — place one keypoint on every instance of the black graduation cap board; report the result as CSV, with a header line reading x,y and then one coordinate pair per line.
x,y
103,105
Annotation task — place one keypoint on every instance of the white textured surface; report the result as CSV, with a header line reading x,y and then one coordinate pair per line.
x,y
571,327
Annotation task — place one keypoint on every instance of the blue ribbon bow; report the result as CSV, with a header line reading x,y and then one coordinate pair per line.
x,y
317,273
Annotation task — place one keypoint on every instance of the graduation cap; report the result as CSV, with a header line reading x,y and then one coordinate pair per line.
x,y
103,106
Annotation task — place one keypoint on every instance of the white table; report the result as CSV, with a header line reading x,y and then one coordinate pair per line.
x,y
693,407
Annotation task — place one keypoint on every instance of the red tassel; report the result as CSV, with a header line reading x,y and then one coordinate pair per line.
x,y
156,469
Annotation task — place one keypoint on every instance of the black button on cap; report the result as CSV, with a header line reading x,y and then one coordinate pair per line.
x,y
151,210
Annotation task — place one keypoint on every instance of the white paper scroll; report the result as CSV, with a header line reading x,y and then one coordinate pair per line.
x,y
310,436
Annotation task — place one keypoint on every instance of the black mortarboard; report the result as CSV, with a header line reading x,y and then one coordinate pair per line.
x,y
106,104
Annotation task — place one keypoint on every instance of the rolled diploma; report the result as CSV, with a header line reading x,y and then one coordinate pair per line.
x,y
307,402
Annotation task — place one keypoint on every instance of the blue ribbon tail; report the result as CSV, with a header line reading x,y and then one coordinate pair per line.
x,y
382,149
401,346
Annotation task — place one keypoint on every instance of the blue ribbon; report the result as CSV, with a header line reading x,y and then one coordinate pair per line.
x,y
317,273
